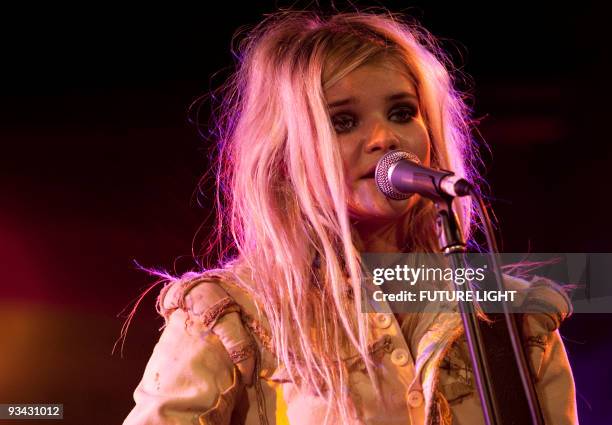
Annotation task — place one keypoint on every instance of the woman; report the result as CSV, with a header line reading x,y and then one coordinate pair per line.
x,y
275,335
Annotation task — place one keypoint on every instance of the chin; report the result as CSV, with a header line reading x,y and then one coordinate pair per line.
x,y
367,203
379,208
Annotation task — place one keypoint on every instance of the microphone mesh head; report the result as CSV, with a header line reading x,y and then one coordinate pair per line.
x,y
381,175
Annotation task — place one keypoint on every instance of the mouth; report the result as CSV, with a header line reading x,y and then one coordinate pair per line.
x,y
370,174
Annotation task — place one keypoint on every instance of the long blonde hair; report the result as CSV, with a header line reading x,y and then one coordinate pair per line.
x,y
282,207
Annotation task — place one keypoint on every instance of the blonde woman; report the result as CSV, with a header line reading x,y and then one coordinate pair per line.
x,y
275,335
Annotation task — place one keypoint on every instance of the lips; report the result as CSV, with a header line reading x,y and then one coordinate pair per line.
x,y
370,174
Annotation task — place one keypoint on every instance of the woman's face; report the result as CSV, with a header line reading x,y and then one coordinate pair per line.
x,y
375,109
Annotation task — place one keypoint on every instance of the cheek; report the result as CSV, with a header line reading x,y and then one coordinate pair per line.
x,y
350,153
416,140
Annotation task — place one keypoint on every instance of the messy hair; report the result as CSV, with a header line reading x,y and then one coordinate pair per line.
x,y
282,202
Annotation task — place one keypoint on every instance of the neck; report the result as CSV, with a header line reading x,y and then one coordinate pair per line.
x,y
380,236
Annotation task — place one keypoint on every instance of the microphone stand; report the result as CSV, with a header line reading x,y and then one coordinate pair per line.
x,y
526,407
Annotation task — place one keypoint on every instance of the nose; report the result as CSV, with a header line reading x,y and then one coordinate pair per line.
x,y
381,138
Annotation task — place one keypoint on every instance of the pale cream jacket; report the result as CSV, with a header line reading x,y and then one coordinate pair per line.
x,y
214,365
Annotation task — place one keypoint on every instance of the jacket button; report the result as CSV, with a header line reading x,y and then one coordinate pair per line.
x,y
415,398
399,357
383,320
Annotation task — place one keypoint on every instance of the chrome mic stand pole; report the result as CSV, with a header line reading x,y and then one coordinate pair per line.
x,y
508,397
453,247
528,408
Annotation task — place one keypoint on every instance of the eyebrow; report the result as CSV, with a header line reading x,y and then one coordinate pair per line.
x,y
342,102
350,100
402,95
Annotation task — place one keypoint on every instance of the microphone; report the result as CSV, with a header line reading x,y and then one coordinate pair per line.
x,y
399,174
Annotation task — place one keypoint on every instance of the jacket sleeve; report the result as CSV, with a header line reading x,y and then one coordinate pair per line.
x,y
546,307
194,375
555,385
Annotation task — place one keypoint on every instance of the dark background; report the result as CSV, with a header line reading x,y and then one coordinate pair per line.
x,y
99,169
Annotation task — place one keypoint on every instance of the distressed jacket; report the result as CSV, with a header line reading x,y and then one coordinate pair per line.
x,y
214,364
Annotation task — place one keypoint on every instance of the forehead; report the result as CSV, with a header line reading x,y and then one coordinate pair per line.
x,y
372,79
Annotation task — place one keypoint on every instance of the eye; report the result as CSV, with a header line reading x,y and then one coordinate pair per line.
x,y
343,122
403,113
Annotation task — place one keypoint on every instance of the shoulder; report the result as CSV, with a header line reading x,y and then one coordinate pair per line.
x,y
206,296
200,294
203,357
542,298
220,302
